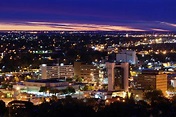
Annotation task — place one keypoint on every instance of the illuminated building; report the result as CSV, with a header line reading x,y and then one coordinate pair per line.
x,y
56,71
118,74
87,71
127,56
173,82
152,79
34,86
19,108
66,71
49,71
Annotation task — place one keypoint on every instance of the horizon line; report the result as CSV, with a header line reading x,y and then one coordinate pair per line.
x,y
54,26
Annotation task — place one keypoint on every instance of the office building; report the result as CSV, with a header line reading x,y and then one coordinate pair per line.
x,y
152,79
118,74
127,56
66,71
86,71
173,82
56,71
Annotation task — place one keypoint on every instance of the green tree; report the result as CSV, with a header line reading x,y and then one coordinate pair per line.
x,y
54,91
77,78
54,98
171,88
129,98
153,95
69,89
3,108
43,89
88,88
174,99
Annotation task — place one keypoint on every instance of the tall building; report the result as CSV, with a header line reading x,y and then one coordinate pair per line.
x,y
66,71
152,79
173,82
47,72
127,56
118,74
87,71
77,68
56,71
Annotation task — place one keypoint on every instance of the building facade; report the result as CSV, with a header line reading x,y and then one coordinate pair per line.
x,y
56,71
152,79
86,71
66,71
127,56
118,75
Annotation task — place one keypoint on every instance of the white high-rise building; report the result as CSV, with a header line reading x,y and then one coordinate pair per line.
x,y
127,56
56,71
66,71
47,72
118,75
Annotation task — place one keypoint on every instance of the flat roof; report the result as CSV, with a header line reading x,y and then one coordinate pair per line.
x,y
51,80
153,72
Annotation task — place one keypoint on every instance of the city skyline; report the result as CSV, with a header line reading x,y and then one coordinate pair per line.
x,y
77,15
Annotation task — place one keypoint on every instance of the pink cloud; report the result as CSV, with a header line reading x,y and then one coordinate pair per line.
x,y
64,27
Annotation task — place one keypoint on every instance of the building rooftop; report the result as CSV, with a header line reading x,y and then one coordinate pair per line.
x,y
152,72
51,80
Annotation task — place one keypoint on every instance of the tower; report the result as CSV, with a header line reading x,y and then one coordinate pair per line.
x,y
118,75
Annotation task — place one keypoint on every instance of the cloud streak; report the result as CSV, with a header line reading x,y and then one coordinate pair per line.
x,y
169,24
64,27
120,26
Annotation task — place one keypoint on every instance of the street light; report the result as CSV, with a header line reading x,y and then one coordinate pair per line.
x,y
48,92
18,88
17,92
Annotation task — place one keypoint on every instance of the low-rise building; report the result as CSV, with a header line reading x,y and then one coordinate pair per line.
x,y
152,79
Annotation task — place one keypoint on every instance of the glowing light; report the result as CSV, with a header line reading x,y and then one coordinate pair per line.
x,y
44,65
107,101
137,96
164,52
18,88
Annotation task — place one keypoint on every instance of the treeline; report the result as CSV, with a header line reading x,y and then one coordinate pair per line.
x,y
160,107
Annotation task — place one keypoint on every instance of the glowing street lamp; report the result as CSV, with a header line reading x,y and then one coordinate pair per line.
x,y
18,88
48,92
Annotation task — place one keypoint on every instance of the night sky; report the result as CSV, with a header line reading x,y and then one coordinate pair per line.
x,y
137,15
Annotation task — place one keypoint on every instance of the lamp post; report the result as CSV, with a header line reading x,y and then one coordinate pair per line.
x,y
48,92
17,91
